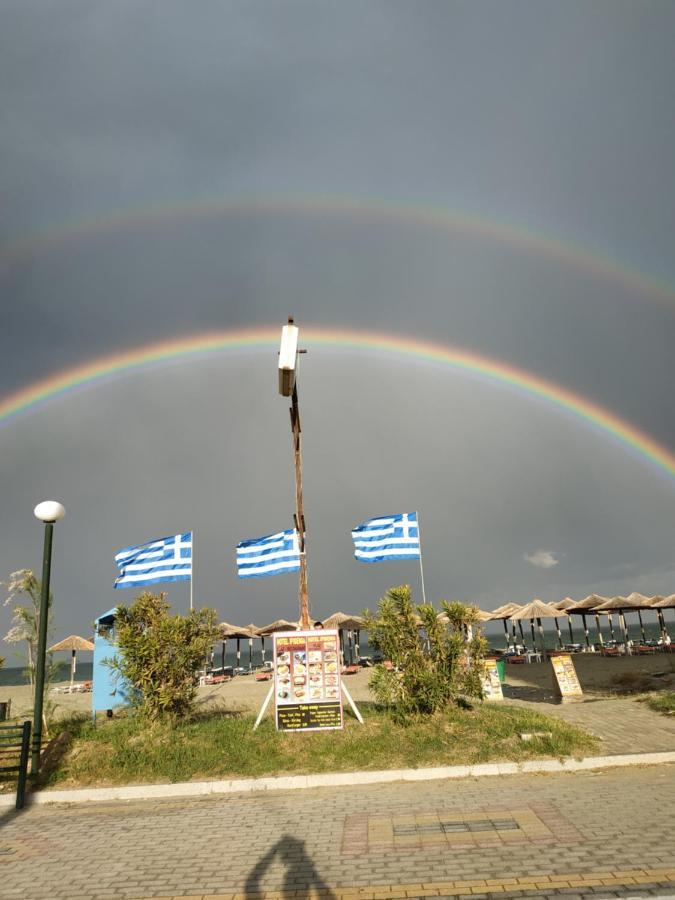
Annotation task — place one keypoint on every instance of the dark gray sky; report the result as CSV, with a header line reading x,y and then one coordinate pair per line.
x,y
555,118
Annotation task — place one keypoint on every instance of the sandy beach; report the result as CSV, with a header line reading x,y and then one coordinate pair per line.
x,y
599,676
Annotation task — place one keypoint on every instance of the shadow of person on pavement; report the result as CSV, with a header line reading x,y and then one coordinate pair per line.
x,y
300,872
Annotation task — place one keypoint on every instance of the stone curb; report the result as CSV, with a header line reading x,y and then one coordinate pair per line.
x,y
296,782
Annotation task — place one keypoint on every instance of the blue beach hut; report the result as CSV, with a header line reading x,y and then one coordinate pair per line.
x,y
108,689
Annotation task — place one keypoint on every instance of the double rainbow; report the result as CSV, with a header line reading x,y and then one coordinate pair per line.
x,y
454,358
364,209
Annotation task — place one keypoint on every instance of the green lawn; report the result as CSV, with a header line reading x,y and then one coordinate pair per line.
x,y
223,745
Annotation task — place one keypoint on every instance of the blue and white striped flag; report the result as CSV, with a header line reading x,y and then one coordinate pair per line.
x,y
273,554
166,559
387,537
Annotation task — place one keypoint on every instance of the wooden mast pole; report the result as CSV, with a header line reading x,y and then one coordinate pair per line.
x,y
296,431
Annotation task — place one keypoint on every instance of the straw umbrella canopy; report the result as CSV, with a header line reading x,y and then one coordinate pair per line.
x,y
504,613
654,603
343,620
268,630
72,643
253,632
566,604
481,616
632,603
586,606
640,602
349,623
277,625
227,631
659,604
538,610
239,633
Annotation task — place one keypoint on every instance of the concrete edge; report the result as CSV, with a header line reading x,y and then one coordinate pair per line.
x,y
297,782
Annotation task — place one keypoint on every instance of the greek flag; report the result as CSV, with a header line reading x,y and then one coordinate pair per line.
x,y
273,554
387,537
166,559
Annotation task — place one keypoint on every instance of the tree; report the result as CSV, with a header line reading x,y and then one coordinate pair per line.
x,y
23,593
435,659
160,655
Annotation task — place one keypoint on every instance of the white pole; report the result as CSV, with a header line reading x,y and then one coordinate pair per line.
x,y
264,706
353,705
192,567
419,535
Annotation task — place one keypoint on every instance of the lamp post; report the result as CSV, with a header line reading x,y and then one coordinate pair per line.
x,y
48,512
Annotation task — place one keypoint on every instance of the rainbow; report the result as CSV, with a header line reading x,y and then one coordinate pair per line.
x,y
453,358
365,209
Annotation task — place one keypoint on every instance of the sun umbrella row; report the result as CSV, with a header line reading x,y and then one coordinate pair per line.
x,y
594,605
341,621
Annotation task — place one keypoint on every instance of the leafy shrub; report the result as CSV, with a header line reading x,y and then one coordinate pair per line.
x,y
161,654
435,659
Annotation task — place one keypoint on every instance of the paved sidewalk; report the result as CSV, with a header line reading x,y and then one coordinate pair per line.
x,y
624,725
604,834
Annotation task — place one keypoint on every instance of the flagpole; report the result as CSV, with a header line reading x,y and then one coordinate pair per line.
x,y
192,567
419,536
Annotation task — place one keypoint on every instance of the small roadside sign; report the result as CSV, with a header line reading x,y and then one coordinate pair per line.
x,y
566,677
492,686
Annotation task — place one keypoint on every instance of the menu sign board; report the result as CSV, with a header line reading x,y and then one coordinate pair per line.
x,y
492,686
566,676
307,695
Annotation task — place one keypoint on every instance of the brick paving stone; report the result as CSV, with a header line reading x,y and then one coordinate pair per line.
x,y
624,725
575,830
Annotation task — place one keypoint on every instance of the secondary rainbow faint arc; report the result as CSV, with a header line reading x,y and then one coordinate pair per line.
x,y
462,360
360,208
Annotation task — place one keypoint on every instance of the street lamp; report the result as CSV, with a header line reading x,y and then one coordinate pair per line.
x,y
48,512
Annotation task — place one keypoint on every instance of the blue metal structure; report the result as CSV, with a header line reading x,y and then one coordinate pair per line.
x,y
108,690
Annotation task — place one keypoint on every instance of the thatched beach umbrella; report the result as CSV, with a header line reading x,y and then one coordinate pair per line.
x,y
345,622
277,625
253,633
538,610
72,643
623,605
226,631
237,632
654,604
639,602
481,616
504,613
586,606
659,604
564,605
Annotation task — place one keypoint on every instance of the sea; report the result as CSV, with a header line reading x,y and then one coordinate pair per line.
x,y
18,676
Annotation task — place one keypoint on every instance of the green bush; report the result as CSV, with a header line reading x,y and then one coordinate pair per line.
x,y
435,660
161,654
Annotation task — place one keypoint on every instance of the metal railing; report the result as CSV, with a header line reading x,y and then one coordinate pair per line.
x,y
14,753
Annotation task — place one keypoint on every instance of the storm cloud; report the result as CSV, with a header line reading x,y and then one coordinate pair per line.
x,y
496,176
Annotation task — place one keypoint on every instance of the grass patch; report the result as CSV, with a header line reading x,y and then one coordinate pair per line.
x,y
663,702
223,745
